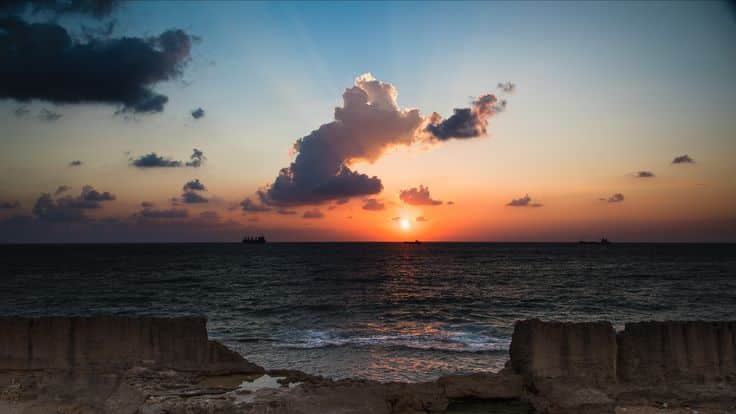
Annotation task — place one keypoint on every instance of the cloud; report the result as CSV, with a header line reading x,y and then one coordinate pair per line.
x,y
396,219
507,87
286,212
90,194
75,163
9,205
418,197
422,219
368,123
210,216
48,116
194,185
67,71
683,159
196,159
21,111
147,204
371,204
95,8
61,189
525,201
154,160
174,213
252,207
190,197
644,174
198,113
616,198
465,122
313,214
450,203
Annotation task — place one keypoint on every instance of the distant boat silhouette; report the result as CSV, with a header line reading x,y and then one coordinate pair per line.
x,y
413,242
254,240
603,241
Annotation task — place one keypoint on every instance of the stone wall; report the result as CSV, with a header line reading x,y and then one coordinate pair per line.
x,y
113,342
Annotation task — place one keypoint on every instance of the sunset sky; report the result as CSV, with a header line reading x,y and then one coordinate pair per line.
x,y
574,121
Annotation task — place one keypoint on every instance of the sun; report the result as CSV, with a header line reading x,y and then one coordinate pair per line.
x,y
405,224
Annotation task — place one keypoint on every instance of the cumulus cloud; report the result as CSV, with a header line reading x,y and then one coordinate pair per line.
x,y
191,197
252,207
48,115
154,160
422,219
418,196
683,159
9,205
198,113
313,214
69,208
466,122
194,185
525,201
368,123
371,204
101,70
644,174
90,194
75,163
616,198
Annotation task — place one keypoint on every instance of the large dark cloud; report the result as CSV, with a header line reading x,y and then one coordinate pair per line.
x,y
42,61
466,122
368,123
95,8
683,159
418,196
69,208
154,160
525,201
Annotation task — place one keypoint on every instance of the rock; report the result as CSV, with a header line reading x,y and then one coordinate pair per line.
x,y
483,385
555,397
658,352
580,351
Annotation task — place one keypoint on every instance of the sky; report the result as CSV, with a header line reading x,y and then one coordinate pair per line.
x,y
161,121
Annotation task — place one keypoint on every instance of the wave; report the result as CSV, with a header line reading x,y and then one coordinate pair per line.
x,y
448,341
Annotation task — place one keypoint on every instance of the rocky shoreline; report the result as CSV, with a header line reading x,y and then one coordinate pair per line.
x,y
128,365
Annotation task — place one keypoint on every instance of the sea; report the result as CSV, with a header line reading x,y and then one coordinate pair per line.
x,y
382,311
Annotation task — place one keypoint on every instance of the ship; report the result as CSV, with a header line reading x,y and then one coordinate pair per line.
x,y
603,241
254,240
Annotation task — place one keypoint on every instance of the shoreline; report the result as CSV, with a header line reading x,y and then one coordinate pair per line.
x,y
127,365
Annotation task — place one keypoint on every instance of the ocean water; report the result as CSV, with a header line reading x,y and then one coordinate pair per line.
x,y
385,311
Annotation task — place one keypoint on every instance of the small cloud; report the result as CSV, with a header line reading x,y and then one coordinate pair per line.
x,y
683,159
643,174
507,87
286,212
198,113
313,214
418,196
153,160
146,204
75,163
48,116
251,207
525,201
191,197
450,203
616,198
61,189
174,213
196,159
396,219
194,185
422,219
90,194
372,204
9,205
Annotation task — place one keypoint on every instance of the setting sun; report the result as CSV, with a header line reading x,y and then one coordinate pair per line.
x,y
405,224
